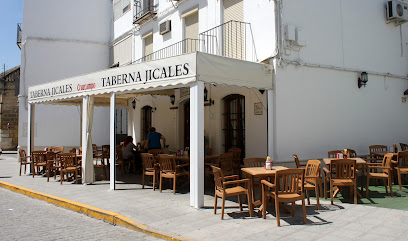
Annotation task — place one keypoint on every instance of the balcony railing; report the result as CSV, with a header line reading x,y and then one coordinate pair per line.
x,y
144,10
232,39
19,35
183,47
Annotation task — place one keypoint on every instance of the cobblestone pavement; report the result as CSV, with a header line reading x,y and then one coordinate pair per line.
x,y
25,218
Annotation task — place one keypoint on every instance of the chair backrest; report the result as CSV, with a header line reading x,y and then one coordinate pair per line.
x,y
148,160
387,162
58,149
226,163
254,162
106,151
73,150
333,154
119,155
351,153
68,160
236,153
167,162
22,154
343,169
38,156
378,148
312,171
50,155
287,181
156,152
296,160
403,159
218,178
404,147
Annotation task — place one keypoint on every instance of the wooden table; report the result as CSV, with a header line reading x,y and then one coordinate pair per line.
x,y
359,162
208,160
262,174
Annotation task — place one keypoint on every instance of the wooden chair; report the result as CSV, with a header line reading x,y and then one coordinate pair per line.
x,y
402,167
351,153
226,163
39,159
223,191
24,160
342,173
53,164
58,149
169,169
404,147
255,162
69,165
313,180
236,157
285,189
386,173
119,159
298,165
333,154
106,153
150,168
377,148
155,152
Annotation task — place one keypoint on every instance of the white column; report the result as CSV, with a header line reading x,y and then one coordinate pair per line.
x,y
197,144
30,130
84,142
270,124
112,141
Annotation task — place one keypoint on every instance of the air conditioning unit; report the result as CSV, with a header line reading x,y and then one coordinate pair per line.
x,y
397,11
165,27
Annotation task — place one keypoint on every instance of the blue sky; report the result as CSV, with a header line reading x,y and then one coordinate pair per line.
x,y
11,13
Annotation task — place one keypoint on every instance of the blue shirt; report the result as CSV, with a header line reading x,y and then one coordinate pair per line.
x,y
154,140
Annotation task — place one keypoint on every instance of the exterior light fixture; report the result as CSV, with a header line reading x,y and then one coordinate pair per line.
x,y
362,81
172,99
262,91
134,104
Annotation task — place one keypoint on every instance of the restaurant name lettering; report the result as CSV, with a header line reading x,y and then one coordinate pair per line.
x,y
150,74
51,91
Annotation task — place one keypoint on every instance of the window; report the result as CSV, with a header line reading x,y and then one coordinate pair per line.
x,y
121,52
120,7
234,122
191,32
148,47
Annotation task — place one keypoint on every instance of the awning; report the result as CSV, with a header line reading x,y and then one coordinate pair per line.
x,y
154,77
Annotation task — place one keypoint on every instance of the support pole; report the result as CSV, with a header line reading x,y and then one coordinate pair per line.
x,y
112,142
197,144
30,131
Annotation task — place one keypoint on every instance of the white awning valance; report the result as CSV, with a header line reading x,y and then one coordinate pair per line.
x,y
156,75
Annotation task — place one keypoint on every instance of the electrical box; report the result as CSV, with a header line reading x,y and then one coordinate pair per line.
x,y
300,39
165,27
290,34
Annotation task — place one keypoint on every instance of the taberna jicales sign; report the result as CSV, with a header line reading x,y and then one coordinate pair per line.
x,y
139,74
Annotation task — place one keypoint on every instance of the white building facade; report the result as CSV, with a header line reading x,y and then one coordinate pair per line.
x,y
313,51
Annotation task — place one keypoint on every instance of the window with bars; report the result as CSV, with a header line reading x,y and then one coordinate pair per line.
x,y
234,122
146,121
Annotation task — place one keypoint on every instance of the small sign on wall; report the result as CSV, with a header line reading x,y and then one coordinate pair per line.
x,y
258,108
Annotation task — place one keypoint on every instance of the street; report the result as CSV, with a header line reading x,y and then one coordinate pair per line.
x,y
25,218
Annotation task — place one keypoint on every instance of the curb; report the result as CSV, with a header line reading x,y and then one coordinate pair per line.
x,y
107,216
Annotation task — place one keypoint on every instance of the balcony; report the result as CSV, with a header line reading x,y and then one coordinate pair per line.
x,y
144,10
19,35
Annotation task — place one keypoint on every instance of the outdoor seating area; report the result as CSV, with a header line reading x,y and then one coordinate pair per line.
x,y
340,174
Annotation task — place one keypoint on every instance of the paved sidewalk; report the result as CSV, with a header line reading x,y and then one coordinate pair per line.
x,y
172,214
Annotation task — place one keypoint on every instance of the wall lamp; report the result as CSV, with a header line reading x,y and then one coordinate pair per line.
x,y
172,99
210,101
362,81
134,104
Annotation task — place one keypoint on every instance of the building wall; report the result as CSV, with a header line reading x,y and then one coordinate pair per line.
x,y
318,104
60,40
9,111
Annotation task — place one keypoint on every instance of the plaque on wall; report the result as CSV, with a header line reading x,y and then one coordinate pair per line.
x,y
258,108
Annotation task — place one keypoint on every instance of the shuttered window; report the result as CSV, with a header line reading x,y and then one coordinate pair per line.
x,y
148,47
191,32
234,33
121,52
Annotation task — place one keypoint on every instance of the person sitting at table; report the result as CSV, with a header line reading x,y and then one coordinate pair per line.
x,y
128,151
154,139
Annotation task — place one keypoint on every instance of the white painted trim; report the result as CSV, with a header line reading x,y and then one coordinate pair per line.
x,y
112,137
189,12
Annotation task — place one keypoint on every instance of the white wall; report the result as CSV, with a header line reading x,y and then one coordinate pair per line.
x,y
322,109
63,39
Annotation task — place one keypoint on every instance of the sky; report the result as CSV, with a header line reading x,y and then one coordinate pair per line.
x,y
11,13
